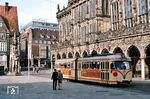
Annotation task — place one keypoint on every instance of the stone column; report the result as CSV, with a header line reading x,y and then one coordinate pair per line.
x,y
28,62
32,61
143,68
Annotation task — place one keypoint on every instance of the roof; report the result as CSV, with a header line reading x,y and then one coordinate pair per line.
x,y
65,60
103,57
10,17
41,25
3,27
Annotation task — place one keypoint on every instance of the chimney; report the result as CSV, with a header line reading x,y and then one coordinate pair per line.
x,y
6,6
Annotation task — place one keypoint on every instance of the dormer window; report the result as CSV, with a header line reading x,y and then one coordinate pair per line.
x,y
47,36
53,37
41,36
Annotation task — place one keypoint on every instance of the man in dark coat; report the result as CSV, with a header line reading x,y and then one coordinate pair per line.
x,y
54,77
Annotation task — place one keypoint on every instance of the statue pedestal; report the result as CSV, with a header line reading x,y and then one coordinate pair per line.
x,y
18,74
14,74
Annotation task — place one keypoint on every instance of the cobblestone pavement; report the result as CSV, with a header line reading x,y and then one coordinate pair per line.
x,y
39,86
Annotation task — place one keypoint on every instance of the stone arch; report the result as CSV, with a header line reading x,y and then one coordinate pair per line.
x,y
94,53
53,56
58,56
70,55
135,55
77,55
147,60
85,54
104,51
64,55
118,50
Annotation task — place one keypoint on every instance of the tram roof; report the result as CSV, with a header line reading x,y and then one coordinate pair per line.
x,y
110,57
65,60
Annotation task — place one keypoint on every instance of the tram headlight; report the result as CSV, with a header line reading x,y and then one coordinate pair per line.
x,y
115,74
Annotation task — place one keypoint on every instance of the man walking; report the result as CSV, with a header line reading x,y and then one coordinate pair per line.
x,y
54,77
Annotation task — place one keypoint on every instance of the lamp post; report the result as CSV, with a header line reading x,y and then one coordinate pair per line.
x,y
29,56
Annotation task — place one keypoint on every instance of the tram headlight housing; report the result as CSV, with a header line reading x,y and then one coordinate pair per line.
x,y
115,74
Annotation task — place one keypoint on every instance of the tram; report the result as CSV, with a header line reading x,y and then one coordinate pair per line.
x,y
105,69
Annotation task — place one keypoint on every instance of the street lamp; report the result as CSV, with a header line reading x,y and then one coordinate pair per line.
x,y
29,56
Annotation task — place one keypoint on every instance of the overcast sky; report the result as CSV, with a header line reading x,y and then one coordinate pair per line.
x,y
36,9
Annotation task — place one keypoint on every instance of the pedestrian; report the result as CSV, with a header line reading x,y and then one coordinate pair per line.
x,y
60,77
33,66
54,77
37,69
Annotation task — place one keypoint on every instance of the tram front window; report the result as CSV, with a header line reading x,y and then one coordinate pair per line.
x,y
122,65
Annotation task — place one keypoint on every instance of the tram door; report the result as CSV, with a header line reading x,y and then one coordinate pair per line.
x,y
76,69
105,71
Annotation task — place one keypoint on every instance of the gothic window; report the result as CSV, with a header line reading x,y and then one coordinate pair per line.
x,y
115,16
69,26
143,11
76,14
87,9
90,8
105,7
0,46
93,8
81,12
83,33
84,10
128,13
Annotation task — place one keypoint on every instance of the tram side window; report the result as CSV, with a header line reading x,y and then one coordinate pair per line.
x,y
94,65
59,66
65,65
102,65
98,65
68,65
83,66
88,65
71,65
106,65
79,64
112,65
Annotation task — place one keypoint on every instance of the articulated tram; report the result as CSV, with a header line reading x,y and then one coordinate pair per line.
x,y
106,69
